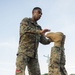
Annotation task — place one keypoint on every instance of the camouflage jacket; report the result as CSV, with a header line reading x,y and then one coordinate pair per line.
x,y
30,37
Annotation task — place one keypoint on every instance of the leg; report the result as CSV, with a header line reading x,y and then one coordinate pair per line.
x,y
21,62
54,69
33,67
63,70
62,64
54,66
63,60
57,60
55,55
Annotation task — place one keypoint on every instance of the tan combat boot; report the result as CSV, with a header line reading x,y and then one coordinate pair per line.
x,y
58,38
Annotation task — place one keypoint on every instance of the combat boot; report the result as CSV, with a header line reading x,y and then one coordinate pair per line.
x,y
57,38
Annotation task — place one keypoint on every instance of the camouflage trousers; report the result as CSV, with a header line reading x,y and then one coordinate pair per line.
x,y
32,64
57,62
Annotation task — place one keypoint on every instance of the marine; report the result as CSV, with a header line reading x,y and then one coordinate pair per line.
x,y
30,35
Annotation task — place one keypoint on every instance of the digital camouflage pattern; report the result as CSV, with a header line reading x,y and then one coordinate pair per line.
x,y
57,58
28,45
30,37
57,62
31,63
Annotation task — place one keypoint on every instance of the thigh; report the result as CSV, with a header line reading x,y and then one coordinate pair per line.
x,y
54,69
63,70
33,67
55,55
54,65
63,58
20,64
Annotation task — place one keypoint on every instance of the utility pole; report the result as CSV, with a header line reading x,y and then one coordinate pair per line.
x,y
48,61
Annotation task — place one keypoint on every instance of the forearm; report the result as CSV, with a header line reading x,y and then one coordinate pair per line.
x,y
44,40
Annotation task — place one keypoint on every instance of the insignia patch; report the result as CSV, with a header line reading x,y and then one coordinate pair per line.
x,y
17,71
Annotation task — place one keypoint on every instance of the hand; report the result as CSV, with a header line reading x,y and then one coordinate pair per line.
x,y
44,31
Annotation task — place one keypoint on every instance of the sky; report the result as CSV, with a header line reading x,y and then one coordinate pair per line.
x,y
58,15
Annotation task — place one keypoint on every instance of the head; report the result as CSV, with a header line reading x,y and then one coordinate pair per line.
x,y
36,13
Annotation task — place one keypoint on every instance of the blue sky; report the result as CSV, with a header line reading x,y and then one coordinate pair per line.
x,y
58,15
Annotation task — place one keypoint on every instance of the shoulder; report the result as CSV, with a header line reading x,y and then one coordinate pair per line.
x,y
25,19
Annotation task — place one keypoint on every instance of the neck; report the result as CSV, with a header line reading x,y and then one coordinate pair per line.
x,y
33,19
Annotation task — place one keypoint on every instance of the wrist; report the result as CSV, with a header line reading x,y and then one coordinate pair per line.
x,y
40,32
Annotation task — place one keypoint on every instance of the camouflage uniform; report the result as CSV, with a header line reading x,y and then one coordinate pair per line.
x,y
27,51
57,62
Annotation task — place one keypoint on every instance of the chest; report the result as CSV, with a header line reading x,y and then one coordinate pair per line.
x,y
35,26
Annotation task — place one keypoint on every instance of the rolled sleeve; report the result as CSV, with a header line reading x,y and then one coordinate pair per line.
x,y
44,40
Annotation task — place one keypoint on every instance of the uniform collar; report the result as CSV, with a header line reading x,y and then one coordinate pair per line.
x,y
33,21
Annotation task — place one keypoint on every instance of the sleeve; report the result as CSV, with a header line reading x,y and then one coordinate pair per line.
x,y
44,40
26,28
